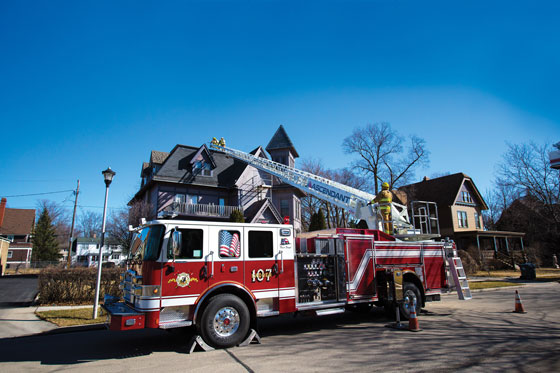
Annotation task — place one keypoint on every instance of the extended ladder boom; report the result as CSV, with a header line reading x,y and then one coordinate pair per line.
x,y
341,195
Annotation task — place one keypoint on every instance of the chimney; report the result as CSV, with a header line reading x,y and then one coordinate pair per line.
x,y
426,178
2,210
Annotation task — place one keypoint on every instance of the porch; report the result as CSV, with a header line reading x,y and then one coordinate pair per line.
x,y
502,246
198,210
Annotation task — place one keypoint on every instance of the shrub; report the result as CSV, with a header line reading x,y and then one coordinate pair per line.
x,y
76,285
469,263
237,217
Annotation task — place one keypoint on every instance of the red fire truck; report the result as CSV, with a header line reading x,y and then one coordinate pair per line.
x,y
221,277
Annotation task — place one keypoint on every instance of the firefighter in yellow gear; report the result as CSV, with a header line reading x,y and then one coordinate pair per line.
x,y
222,142
214,141
384,198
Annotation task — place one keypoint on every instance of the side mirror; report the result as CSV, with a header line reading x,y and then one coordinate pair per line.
x,y
176,240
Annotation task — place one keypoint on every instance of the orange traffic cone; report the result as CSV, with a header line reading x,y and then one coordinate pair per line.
x,y
413,320
518,304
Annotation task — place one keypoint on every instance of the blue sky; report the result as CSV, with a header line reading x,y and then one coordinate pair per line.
x,y
84,85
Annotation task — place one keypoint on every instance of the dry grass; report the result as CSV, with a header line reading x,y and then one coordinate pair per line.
x,y
72,317
545,273
490,284
22,271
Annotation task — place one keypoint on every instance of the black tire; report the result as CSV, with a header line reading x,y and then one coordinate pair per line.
x,y
410,291
224,321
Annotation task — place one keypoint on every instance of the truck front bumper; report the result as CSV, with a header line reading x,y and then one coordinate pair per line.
x,y
122,316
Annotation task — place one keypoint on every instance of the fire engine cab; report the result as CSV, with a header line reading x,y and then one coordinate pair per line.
x,y
221,277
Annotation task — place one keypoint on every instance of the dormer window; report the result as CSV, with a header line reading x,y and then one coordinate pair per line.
x,y
202,168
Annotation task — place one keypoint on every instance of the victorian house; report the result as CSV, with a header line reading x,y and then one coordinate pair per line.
x,y
199,183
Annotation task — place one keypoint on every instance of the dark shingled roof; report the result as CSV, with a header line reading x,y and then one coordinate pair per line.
x,y
442,190
18,222
281,140
158,157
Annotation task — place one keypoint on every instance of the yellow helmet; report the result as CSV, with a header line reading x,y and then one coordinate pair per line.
x,y
385,186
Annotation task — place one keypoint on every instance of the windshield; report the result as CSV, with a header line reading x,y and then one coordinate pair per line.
x,y
146,243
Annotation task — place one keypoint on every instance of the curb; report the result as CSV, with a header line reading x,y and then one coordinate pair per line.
x,y
74,329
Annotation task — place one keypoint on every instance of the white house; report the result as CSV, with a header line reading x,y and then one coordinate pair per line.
x,y
87,252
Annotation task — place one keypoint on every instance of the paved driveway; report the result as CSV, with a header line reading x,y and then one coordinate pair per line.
x,y
18,290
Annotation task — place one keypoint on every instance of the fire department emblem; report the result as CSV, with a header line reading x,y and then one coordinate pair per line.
x,y
183,279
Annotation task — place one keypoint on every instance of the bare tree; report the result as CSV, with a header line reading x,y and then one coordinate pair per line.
x,y
384,155
119,220
525,170
89,223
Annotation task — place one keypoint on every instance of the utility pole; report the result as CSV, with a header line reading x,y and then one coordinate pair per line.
x,y
72,229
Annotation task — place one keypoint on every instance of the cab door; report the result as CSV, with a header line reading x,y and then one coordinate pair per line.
x,y
225,255
184,274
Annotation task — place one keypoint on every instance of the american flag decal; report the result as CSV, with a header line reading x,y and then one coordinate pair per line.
x,y
229,244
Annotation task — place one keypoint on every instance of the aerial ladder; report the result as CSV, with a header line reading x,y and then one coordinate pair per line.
x,y
356,202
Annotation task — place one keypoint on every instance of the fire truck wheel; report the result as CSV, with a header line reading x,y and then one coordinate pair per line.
x,y
225,321
410,292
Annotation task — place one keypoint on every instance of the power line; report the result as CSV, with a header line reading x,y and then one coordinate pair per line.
x,y
39,194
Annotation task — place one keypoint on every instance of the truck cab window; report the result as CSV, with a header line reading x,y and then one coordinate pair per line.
x,y
260,244
230,244
191,245
147,242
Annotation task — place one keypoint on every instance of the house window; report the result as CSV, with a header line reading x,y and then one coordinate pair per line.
x,y
193,200
11,237
230,245
477,220
466,197
202,168
284,208
115,256
180,198
260,244
222,202
10,254
462,219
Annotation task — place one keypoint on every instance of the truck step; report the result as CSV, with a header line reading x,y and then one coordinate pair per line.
x,y
329,311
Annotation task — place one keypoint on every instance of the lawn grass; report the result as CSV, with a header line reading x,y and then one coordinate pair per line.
x,y
476,285
544,273
73,316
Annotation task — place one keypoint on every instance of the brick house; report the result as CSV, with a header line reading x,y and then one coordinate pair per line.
x,y
16,226
199,183
460,206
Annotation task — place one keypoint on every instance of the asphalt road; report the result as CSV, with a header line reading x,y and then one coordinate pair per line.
x,y
479,335
18,290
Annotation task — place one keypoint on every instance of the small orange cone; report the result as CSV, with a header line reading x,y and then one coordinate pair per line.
x,y
518,304
413,320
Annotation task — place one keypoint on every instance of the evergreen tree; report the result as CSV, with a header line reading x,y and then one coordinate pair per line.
x,y
237,217
317,221
45,245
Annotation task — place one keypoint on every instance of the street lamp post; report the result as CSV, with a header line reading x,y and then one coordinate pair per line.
x,y
108,175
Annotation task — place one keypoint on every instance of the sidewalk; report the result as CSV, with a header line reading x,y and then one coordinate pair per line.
x,y
22,322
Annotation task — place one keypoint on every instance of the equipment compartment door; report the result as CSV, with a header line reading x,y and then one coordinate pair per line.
x,y
360,268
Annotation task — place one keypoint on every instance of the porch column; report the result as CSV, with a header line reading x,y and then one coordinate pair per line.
x,y
495,246
479,251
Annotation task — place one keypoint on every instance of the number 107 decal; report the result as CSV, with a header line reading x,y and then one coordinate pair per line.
x,y
261,274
